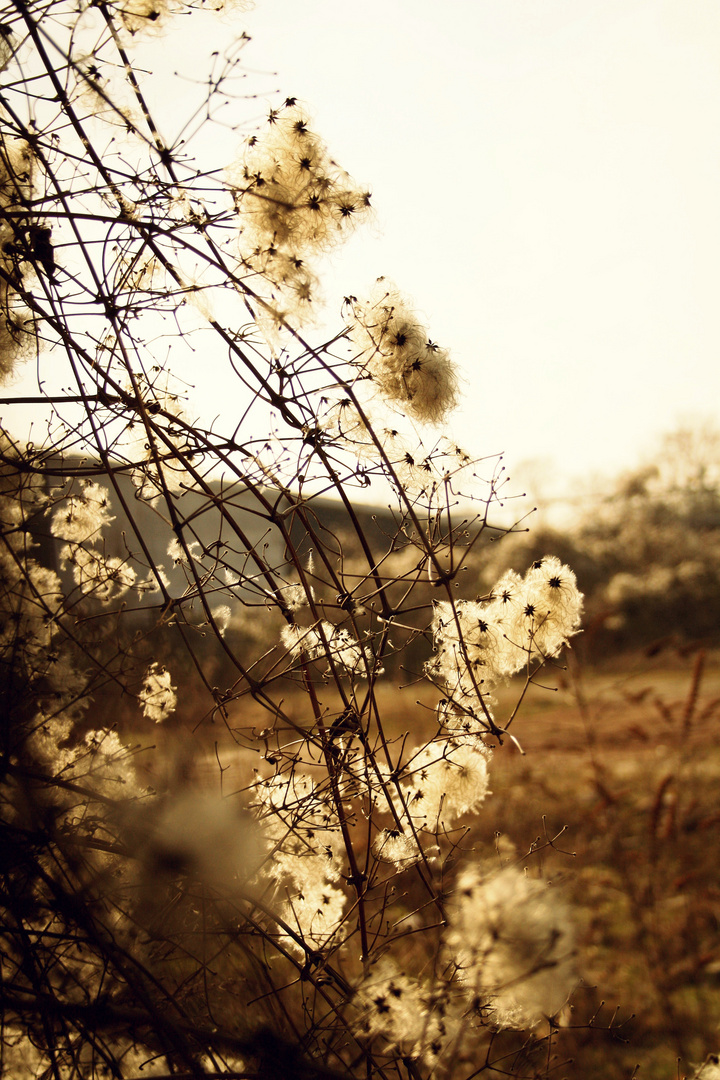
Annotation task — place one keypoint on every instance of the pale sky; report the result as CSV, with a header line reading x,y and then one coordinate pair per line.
x,y
545,175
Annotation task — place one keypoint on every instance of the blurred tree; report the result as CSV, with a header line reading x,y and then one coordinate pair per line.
x,y
647,554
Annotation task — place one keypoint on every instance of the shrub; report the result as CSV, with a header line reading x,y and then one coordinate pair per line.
x,y
310,922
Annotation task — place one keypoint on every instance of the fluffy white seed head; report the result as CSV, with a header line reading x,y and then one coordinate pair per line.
x,y
222,617
540,612
480,642
398,1009
306,853
157,696
294,597
709,1070
410,371
334,642
142,16
294,203
399,849
448,780
177,552
97,575
511,940
81,518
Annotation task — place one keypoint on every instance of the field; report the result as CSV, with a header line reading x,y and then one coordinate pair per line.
x,y
627,762
615,796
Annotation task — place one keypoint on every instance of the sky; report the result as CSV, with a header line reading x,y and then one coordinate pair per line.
x,y
545,178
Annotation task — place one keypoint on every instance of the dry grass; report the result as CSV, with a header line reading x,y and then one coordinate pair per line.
x,y
628,760
616,797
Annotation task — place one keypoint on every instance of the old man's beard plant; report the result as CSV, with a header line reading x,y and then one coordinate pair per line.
x,y
330,914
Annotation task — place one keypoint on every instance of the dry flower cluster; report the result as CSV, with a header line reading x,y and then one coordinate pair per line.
x,y
330,915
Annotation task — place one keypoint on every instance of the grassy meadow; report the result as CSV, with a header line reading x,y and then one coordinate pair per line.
x,y
614,797
626,761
